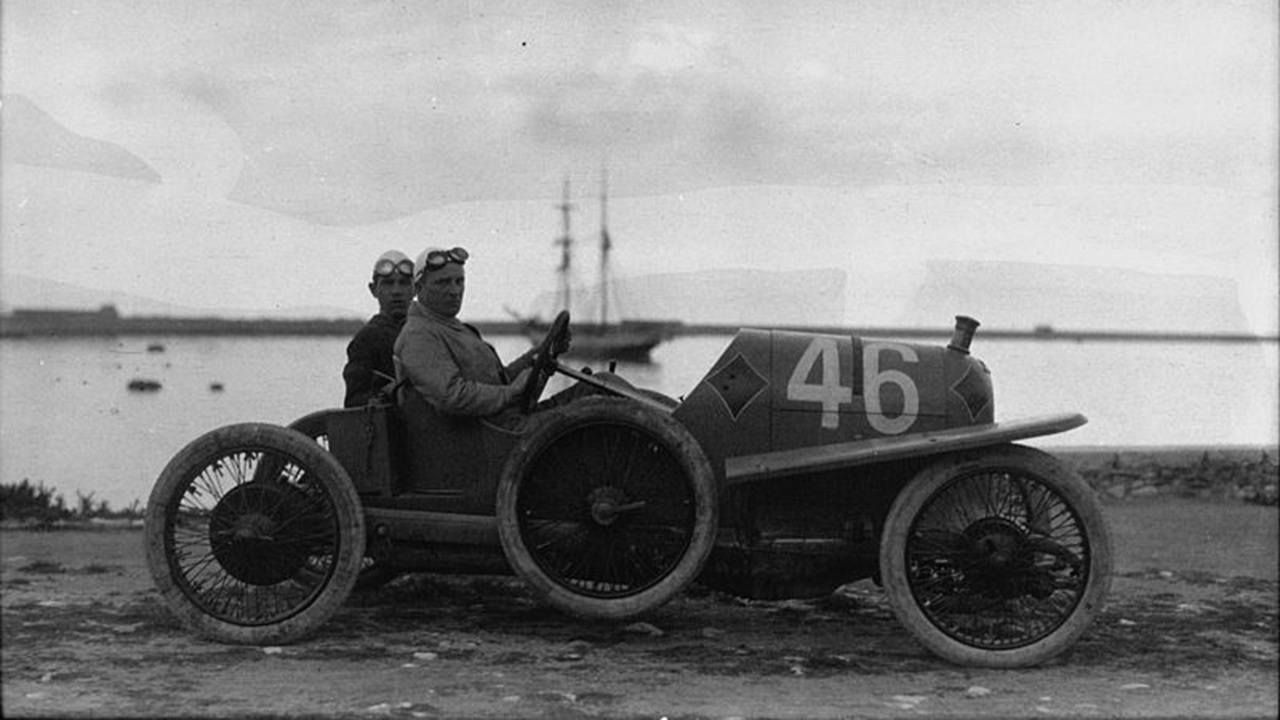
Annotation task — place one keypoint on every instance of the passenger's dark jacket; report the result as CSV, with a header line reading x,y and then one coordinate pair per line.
x,y
370,350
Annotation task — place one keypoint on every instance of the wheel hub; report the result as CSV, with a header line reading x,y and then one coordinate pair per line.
x,y
1002,559
253,526
255,534
606,503
998,543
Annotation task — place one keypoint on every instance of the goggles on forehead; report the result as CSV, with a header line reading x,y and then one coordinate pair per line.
x,y
437,259
384,268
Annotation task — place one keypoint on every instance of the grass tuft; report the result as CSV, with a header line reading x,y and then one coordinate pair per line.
x,y
26,502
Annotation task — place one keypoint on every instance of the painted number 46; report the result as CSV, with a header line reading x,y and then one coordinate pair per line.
x,y
829,393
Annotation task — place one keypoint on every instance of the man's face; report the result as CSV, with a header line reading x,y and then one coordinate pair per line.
x,y
393,293
441,290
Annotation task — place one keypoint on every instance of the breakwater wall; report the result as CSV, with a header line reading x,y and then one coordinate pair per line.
x,y
106,322
1247,474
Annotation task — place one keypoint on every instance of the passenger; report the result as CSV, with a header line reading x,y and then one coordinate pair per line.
x,y
446,360
369,364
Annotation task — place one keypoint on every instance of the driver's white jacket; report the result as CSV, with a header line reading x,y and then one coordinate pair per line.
x,y
452,367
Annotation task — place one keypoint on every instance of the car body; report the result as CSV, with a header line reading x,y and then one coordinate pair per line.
x,y
798,463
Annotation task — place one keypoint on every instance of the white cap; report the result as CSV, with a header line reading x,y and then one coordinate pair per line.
x,y
420,266
395,257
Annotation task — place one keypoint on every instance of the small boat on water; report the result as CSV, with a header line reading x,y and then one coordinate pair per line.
x,y
599,338
143,385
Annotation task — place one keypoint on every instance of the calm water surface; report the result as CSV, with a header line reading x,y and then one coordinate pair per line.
x,y
67,419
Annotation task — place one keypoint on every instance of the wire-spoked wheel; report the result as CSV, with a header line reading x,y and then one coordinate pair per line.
x,y
607,509
996,558
254,535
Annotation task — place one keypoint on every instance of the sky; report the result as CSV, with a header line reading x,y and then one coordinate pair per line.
x,y
229,155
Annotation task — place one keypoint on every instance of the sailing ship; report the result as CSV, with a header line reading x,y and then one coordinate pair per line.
x,y
599,338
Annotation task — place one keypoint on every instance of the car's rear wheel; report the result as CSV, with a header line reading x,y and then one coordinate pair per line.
x,y
254,535
373,574
607,509
997,557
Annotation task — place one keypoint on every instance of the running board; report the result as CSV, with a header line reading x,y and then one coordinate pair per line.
x,y
424,526
837,456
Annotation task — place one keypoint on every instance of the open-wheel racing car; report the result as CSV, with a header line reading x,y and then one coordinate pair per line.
x,y
798,463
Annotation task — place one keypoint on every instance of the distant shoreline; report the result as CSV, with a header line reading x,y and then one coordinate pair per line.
x,y
105,322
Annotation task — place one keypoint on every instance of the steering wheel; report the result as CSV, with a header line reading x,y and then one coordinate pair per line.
x,y
545,360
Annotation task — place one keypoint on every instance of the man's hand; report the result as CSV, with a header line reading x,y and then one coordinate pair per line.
x,y
522,379
519,384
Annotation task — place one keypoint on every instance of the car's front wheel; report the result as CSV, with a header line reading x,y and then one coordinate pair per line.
x,y
997,557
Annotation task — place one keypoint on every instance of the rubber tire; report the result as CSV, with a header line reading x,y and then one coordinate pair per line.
x,y
196,456
1049,471
675,438
372,575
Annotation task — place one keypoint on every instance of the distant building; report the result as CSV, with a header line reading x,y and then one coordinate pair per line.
x,y
106,313
24,321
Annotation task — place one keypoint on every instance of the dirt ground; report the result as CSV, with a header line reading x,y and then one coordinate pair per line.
x,y
1190,630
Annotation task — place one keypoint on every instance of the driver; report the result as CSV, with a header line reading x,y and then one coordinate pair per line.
x,y
446,360
369,364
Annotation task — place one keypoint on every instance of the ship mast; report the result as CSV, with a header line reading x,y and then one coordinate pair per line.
x,y
565,241
605,246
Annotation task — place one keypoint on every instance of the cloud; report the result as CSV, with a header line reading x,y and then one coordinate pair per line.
x,y
667,48
33,137
373,112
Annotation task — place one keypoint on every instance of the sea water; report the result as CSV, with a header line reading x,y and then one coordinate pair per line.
x,y
69,421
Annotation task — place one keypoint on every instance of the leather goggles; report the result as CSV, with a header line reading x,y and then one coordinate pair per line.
x,y
384,268
437,259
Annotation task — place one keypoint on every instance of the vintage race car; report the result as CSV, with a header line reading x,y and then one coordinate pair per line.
x,y
798,463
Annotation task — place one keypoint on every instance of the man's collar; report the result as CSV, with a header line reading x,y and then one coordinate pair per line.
x,y
388,320
417,308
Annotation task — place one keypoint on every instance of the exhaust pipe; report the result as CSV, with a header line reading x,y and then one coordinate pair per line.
x,y
963,335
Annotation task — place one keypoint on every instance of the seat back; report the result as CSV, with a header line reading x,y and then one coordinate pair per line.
x,y
453,458
364,439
